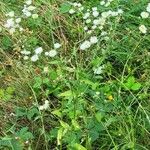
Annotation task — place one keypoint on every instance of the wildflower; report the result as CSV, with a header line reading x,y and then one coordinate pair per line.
x,y
88,21
85,45
93,40
34,58
144,15
71,11
11,14
25,57
85,28
57,45
31,8
34,16
52,53
46,53
143,29
102,3
46,70
110,97
86,15
95,13
9,23
39,50
148,8
94,8
18,20
28,2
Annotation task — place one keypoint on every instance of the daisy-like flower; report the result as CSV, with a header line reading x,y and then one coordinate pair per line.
x,y
34,58
52,53
85,45
28,2
38,50
143,29
93,40
18,20
144,14
10,23
25,57
57,45
95,13
102,3
25,52
86,15
71,11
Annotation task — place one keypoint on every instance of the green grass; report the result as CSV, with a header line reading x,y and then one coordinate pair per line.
x,y
109,111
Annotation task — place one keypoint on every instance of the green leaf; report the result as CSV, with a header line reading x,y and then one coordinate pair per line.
x,y
79,147
136,86
98,116
65,7
75,124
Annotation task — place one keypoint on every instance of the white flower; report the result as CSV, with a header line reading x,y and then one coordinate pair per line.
x,y
143,29
10,14
102,3
28,13
89,31
71,11
86,15
28,2
34,58
85,28
85,45
52,53
98,70
25,52
9,23
25,57
94,8
46,53
81,8
144,14
120,11
18,20
31,8
57,45
93,40
94,27
88,21
79,5
34,16
75,4
96,21
39,50
95,13
105,14
148,8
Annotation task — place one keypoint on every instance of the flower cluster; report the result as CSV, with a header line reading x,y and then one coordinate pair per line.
x,y
144,15
105,3
38,51
28,10
12,23
76,7
88,43
93,20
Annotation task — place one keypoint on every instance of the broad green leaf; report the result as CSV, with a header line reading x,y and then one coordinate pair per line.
x,y
136,86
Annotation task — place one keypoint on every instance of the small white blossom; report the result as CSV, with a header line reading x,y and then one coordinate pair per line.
x,y
148,8
57,45
39,50
31,8
98,70
52,53
28,2
143,29
71,11
95,13
18,20
144,15
88,21
102,3
25,57
93,40
85,45
86,15
34,58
